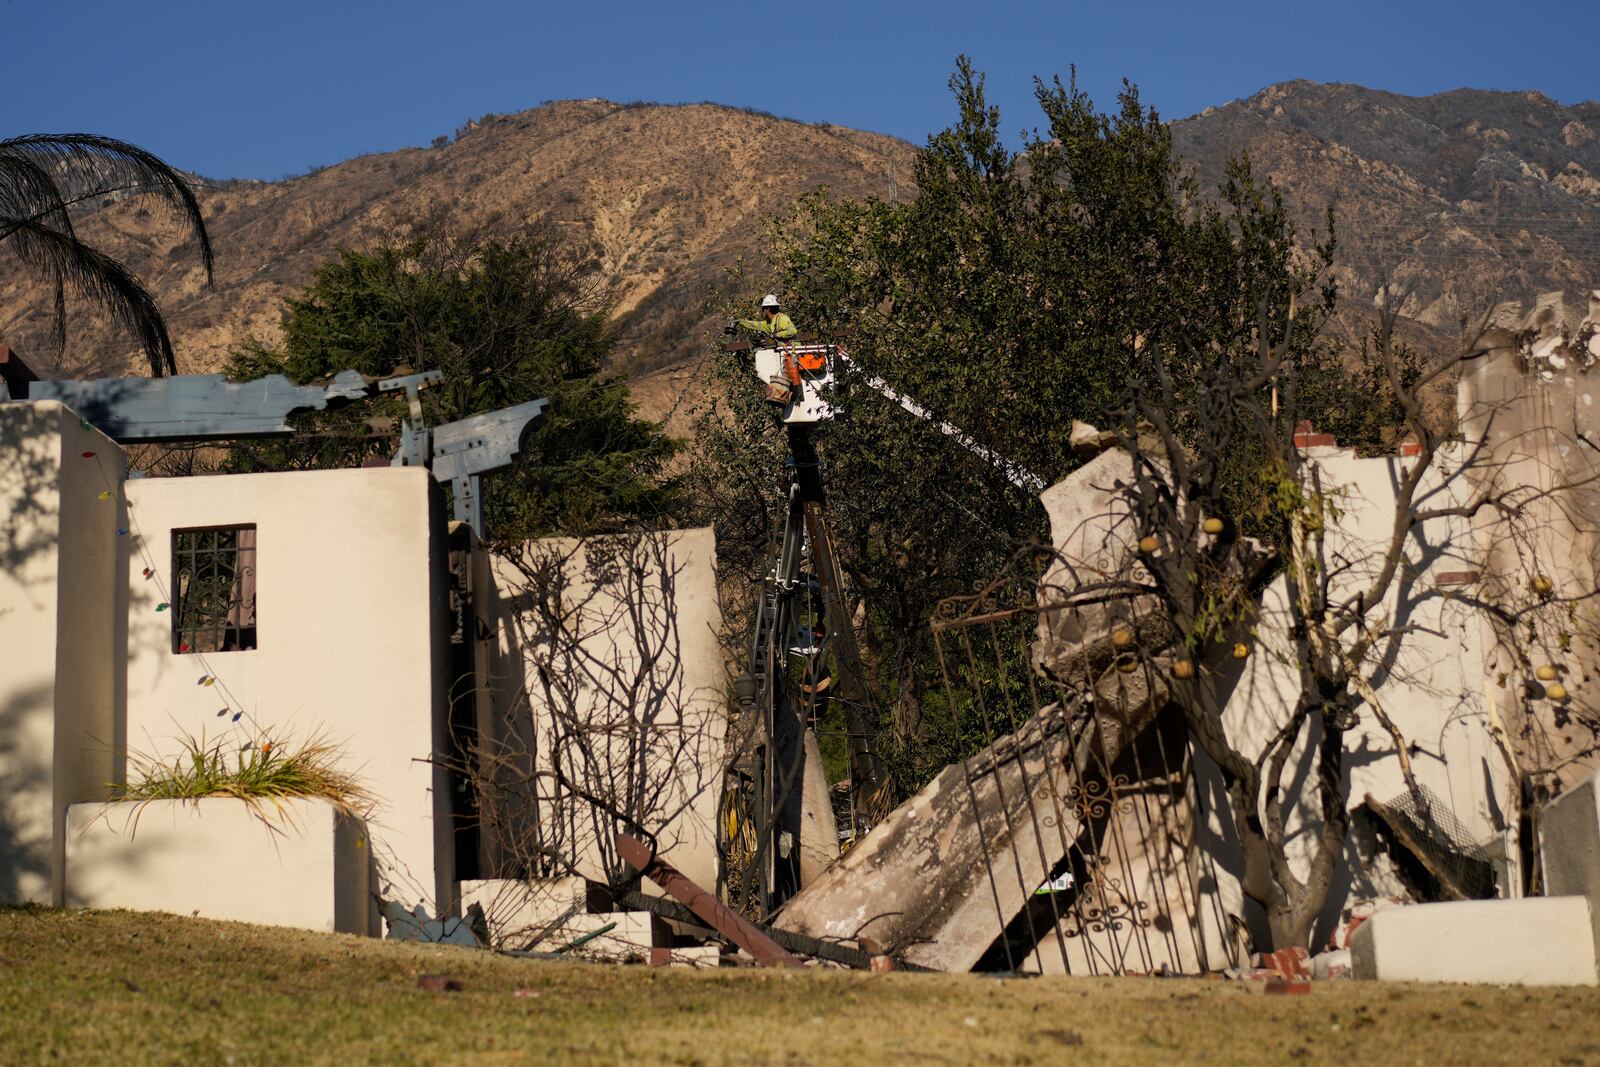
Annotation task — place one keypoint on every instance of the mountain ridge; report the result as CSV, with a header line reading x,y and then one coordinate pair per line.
x,y
1461,199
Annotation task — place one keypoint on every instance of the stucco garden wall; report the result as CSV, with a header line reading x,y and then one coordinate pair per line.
x,y
1432,684
296,863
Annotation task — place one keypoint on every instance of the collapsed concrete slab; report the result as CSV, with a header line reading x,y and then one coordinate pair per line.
x,y
1534,941
938,880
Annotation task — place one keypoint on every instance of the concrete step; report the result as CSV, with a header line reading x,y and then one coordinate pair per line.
x,y
694,956
1532,941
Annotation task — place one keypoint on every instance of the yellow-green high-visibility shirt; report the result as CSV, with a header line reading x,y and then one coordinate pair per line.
x,y
780,327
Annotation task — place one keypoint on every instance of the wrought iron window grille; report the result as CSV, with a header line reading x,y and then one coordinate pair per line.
x,y
214,589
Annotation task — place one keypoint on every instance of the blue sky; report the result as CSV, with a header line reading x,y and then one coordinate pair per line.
x,y
237,89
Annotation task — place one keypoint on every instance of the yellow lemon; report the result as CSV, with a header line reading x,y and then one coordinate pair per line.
x,y
1122,637
1149,544
1543,585
1556,691
1212,526
1183,669
1545,673
1127,664
1241,650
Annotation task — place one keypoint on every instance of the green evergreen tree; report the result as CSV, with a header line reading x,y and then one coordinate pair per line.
x,y
1020,290
505,321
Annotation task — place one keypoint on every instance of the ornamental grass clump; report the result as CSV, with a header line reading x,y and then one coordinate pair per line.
x,y
257,770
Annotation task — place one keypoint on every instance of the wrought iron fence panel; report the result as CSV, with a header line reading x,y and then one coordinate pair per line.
x,y
1109,819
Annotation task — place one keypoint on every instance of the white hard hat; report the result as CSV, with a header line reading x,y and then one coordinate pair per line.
x,y
770,300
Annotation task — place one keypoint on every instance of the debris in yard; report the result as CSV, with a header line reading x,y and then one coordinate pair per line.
x,y
1287,987
417,926
585,939
1335,963
719,916
899,885
833,952
438,983
1290,962
1357,913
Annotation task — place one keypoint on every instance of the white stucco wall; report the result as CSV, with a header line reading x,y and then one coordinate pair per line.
x,y
350,640
1434,684
60,623
601,675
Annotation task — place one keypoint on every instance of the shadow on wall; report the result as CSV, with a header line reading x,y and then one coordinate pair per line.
x,y
28,500
613,733
25,850
29,518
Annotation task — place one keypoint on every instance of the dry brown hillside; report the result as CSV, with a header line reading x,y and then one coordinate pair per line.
x,y
670,197
1468,197
1465,198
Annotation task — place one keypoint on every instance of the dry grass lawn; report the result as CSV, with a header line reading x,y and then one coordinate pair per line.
x,y
81,987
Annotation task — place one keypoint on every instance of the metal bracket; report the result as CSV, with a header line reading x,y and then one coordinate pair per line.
x,y
465,450
413,430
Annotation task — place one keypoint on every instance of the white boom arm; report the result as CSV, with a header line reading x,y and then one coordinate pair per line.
x,y
1015,473
807,404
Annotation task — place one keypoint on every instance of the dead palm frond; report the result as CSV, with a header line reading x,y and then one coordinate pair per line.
x,y
42,177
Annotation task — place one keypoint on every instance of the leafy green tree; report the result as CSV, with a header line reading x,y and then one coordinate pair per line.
x,y
505,321
42,177
1011,297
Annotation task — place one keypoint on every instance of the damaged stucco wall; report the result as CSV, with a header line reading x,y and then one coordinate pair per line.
x,y
1430,681
1530,411
605,669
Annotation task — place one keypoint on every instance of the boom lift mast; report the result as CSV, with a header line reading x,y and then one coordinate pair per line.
x,y
805,582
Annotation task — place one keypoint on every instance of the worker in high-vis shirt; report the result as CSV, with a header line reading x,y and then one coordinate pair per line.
x,y
773,322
